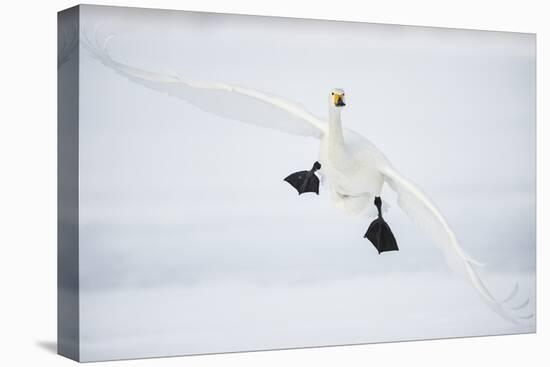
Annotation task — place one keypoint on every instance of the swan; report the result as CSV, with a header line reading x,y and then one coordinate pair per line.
x,y
354,168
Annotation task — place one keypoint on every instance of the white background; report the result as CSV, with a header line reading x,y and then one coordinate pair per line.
x,y
28,184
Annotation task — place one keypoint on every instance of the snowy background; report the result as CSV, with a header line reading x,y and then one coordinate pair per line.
x,y
190,240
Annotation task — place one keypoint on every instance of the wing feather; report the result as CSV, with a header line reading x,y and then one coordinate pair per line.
x,y
225,100
424,213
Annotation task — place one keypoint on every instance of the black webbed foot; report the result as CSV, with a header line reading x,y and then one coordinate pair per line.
x,y
379,232
305,181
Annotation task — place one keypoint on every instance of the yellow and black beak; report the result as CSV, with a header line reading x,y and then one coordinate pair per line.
x,y
338,100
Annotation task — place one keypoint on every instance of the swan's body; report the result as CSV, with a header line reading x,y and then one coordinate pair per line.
x,y
354,168
351,165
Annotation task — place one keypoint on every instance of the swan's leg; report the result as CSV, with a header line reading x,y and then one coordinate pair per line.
x,y
305,181
379,232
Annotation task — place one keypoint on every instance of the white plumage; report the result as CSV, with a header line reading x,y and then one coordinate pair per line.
x,y
354,168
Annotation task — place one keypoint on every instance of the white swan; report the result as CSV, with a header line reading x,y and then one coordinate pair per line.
x,y
355,169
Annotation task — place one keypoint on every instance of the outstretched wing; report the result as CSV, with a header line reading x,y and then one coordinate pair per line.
x,y
225,100
425,214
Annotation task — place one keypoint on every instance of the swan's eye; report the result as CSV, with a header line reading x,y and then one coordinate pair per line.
x,y
332,93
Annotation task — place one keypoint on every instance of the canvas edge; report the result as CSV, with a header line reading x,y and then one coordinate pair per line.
x,y
68,315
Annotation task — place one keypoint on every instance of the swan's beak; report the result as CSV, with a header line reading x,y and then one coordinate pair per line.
x,y
339,100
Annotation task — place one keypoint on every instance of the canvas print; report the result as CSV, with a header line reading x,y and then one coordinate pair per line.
x,y
236,183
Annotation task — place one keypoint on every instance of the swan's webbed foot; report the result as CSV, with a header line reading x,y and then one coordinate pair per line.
x,y
379,232
305,181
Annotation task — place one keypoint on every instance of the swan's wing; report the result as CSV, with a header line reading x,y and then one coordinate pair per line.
x,y
225,100
425,214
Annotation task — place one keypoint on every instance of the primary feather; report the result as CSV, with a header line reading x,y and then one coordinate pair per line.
x,y
427,216
222,99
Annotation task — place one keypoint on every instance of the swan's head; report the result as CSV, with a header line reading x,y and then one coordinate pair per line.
x,y
337,98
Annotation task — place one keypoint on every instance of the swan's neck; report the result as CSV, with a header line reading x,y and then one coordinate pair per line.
x,y
335,132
